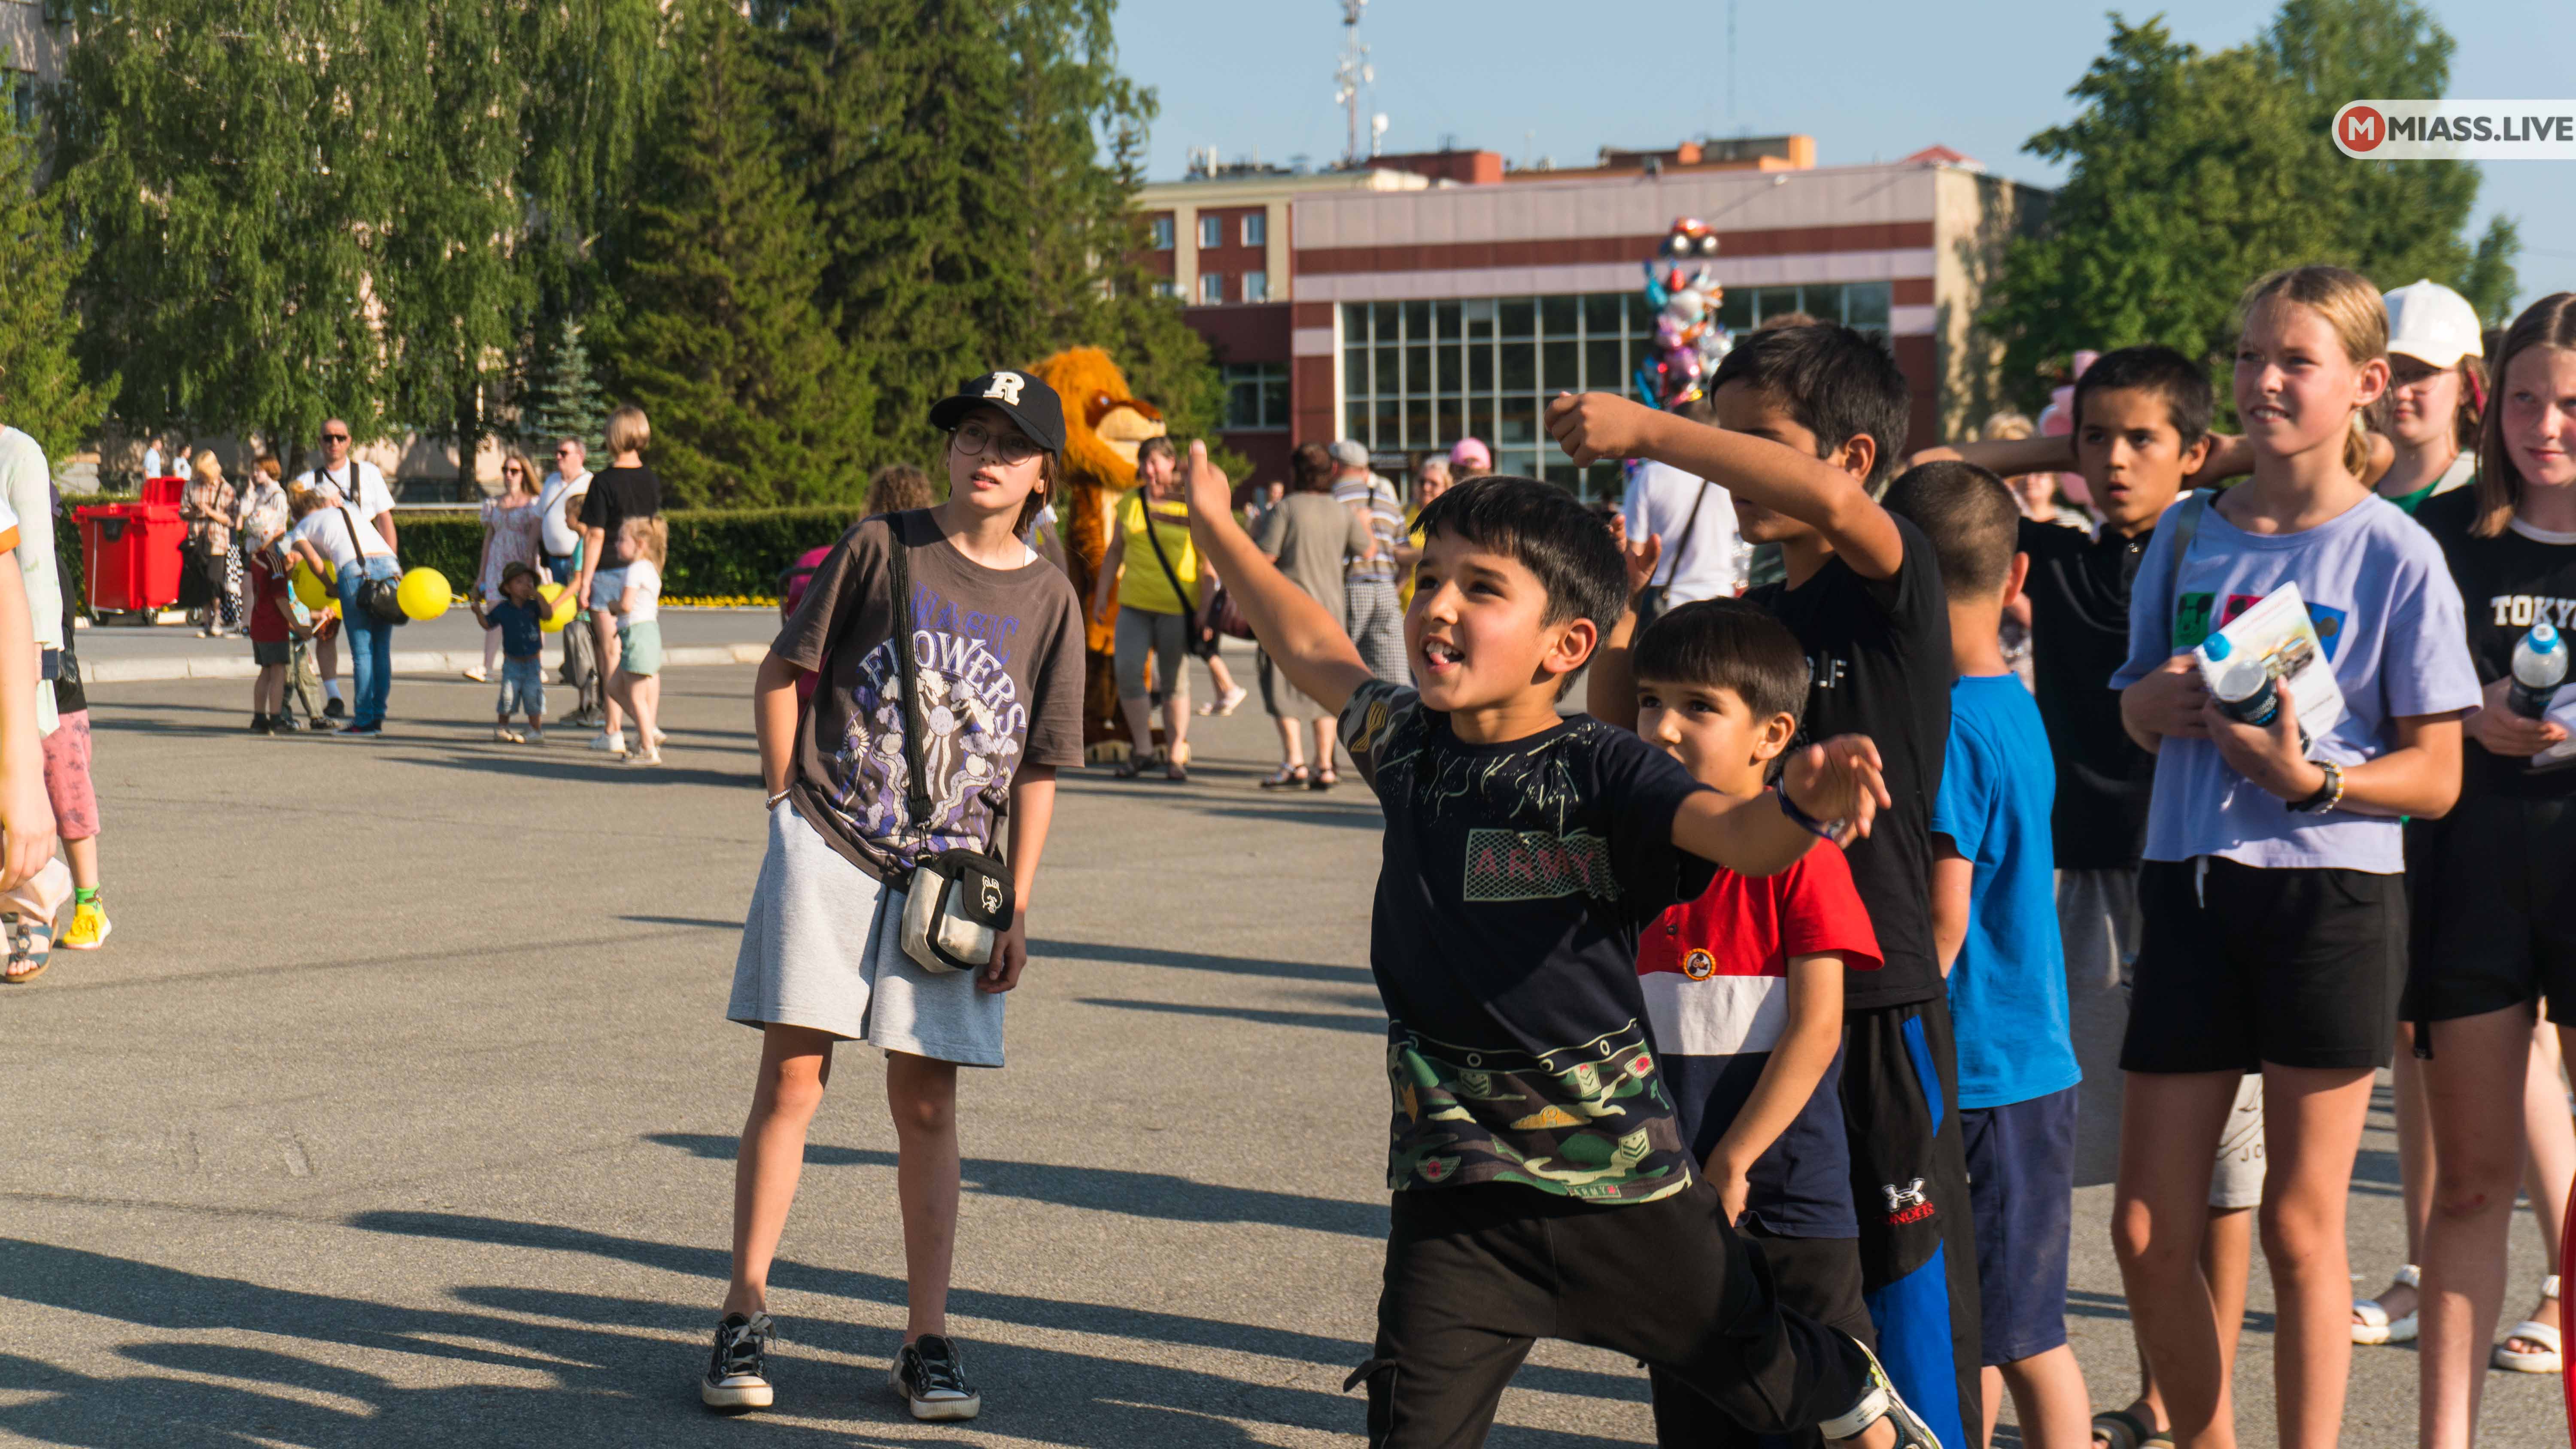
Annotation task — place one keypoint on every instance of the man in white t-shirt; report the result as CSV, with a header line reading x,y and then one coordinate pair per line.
x,y
349,481
558,527
1660,500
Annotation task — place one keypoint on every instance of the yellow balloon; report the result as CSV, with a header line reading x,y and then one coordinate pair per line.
x,y
424,594
309,589
559,610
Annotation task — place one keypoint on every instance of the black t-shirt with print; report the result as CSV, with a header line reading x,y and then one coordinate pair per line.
x,y
1516,881
616,495
2507,584
2079,638
1878,653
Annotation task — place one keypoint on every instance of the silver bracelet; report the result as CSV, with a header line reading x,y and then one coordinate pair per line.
x,y
774,799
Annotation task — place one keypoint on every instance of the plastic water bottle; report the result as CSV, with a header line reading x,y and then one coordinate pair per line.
x,y
2539,667
2244,689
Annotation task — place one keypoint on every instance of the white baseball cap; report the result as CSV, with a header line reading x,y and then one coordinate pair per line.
x,y
2432,324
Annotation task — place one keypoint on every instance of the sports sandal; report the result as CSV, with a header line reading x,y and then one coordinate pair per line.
x,y
1286,777
1224,704
1131,767
2547,1360
2371,1325
31,947
2120,1429
1880,1402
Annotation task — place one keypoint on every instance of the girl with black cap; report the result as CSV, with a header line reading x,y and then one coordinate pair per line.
x,y
947,658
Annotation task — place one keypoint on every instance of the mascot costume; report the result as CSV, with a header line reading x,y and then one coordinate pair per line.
x,y
1103,427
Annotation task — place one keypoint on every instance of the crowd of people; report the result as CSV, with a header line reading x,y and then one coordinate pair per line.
x,y
1761,1019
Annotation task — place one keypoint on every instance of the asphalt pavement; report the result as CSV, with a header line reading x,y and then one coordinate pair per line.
x,y
400,1109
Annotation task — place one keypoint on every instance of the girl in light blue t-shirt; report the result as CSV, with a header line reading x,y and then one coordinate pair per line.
x,y
2271,890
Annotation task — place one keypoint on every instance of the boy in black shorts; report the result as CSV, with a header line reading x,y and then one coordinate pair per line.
x,y
1542,1187
1807,418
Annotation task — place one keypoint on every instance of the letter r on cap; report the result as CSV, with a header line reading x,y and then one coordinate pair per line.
x,y
1006,386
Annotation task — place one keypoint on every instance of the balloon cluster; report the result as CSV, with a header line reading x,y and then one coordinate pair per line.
x,y
1689,340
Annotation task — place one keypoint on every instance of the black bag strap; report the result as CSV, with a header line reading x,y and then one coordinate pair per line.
x,y
916,787
355,547
1145,515
1690,526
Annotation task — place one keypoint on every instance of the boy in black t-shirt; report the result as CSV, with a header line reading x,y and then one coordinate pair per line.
x,y
2141,437
1808,418
1542,1186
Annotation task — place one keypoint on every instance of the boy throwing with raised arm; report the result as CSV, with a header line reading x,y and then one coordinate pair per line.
x,y
1542,1186
1806,419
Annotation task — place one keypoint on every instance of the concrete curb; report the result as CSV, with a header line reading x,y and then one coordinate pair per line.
x,y
451,662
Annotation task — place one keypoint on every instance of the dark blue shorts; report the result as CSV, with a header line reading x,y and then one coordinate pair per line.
x,y
2021,1194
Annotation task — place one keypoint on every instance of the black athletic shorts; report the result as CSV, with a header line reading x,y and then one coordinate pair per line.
x,y
2492,888
1819,1277
2296,966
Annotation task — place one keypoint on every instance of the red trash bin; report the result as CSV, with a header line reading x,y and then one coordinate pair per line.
x,y
130,555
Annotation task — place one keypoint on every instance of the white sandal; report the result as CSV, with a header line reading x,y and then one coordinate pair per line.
x,y
2532,1330
2373,1326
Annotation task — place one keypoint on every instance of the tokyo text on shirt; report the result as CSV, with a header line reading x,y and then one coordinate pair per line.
x,y
1515,883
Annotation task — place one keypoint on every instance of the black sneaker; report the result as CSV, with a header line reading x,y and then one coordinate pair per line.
x,y
334,709
738,1370
933,1381
261,724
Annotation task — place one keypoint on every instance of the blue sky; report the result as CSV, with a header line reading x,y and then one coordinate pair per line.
x,y
1869,79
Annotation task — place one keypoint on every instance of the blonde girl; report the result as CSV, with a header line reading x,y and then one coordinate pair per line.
x,y
2271,889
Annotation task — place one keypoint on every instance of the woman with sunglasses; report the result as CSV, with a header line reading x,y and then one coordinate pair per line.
x,y
511,525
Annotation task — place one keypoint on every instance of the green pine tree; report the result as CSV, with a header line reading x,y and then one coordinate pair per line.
x,y
562,398
752,397
41,392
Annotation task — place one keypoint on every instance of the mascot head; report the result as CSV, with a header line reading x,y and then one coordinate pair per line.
x,y
1104,423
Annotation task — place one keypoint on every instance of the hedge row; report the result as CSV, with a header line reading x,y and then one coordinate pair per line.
x,y
713,551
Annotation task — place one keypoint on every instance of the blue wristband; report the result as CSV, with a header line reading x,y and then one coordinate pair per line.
x,y
1822,830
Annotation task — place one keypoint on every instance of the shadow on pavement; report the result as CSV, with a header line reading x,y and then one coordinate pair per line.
x,y
599,766
709,922
1099,1189
1195,961
1328,1020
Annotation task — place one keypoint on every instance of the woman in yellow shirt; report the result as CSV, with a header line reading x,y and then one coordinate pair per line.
x,y
1162,611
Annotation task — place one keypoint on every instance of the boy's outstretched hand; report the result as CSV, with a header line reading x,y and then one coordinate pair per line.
x,y
1640,557
1840,781
1591,426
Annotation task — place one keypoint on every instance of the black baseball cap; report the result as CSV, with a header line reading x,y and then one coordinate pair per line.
x,y
1027,400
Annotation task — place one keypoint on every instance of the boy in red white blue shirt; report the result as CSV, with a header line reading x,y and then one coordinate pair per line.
x,y
1744,984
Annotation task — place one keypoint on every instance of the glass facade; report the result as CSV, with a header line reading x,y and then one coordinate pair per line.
x,y
1420,375
1256,397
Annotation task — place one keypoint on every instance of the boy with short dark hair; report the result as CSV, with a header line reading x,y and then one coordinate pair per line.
x,y
1807,418
1744,986
2141,438
1994,922
1542,1187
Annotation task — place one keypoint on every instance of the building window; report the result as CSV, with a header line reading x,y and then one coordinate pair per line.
x,y
1859,305
1256,397
18,95
1166,287
1211,286
1211,231
1256,229
1162,233
1256,286
1420,375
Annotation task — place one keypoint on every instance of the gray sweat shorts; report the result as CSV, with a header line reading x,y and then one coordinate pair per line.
x,y
822,947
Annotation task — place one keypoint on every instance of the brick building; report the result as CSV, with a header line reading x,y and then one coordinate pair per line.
x,y
1441,295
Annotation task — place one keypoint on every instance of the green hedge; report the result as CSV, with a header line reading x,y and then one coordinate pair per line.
x,y
713,551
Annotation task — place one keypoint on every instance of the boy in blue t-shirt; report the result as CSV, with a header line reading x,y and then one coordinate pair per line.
x,y
1994,922
520,617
